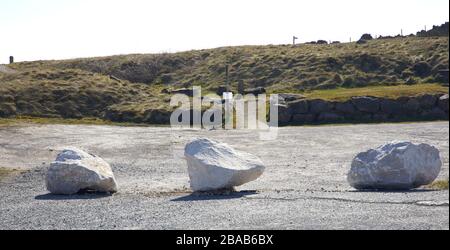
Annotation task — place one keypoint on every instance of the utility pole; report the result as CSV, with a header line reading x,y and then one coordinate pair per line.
x,y
294,39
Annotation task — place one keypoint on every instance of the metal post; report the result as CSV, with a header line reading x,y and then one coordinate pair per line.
x,y
227,81
241,87
228,97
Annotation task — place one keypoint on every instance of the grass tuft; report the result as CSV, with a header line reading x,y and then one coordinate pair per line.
x,y
7,172
439,185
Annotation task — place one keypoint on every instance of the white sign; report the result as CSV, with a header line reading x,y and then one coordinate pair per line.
x,y
227,95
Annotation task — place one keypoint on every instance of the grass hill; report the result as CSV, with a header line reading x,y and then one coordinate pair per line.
x,y
133,85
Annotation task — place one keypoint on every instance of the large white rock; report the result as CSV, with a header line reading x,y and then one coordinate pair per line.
x,y
75,170
214,166
396,165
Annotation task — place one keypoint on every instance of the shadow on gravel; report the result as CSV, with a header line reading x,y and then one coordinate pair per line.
x,y
204,196
82,196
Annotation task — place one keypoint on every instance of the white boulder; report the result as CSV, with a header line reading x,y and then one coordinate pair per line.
x,y
75,170
396,165
214,166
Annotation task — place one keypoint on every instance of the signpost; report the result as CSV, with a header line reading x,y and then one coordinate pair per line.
x,y
228,98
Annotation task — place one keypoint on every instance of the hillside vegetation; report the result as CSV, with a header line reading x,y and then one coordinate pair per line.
x,y
301,67
137,85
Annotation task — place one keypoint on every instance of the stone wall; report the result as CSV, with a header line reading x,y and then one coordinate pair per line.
x,y
364,109
295,110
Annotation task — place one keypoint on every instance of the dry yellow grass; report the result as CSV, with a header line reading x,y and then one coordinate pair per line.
x,y
7,172
391,92
62,121
39,120
439,185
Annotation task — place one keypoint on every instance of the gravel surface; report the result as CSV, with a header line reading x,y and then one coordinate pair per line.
x,y
304,186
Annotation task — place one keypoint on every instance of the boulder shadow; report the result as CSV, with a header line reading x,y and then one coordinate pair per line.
x,y
84,195
205,196
393,191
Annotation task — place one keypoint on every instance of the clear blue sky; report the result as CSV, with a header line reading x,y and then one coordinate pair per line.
x,y
58,29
